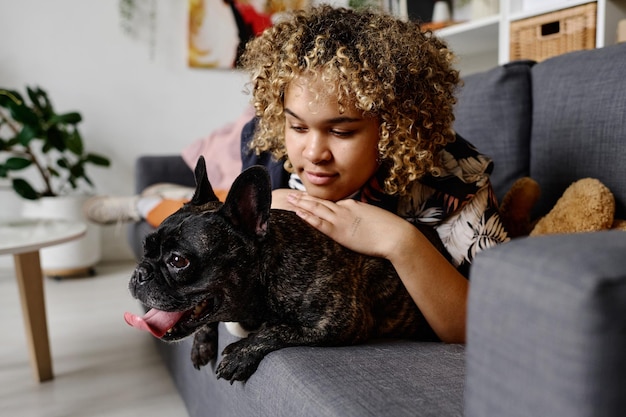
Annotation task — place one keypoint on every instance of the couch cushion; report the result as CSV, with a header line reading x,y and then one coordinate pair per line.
x,y
493,113
390,378
579,123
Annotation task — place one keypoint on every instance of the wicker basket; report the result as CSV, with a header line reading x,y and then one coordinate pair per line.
x,y
555,33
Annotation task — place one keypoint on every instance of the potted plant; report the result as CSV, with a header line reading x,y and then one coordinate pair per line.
x,y
36,136
37,143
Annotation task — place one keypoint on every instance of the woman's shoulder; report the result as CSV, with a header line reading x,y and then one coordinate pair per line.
x,y
461,148
463,169
463,173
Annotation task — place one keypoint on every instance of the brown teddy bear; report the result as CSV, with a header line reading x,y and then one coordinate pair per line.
x,y
587,205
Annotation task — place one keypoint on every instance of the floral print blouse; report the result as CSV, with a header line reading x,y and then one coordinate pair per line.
x,y
460,204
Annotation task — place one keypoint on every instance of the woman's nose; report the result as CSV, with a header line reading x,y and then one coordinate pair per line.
x,y
317,149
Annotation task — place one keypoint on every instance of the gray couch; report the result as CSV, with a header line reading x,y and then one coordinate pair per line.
x,y
547,315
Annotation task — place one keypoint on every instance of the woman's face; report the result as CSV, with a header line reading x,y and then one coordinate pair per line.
x,y
333,153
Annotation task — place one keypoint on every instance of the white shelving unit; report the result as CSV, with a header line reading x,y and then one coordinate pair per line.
x,y
484,43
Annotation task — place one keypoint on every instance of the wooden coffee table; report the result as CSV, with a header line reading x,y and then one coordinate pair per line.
x,y
23,238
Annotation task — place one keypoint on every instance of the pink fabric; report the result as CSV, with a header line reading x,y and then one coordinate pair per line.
x,y
221,152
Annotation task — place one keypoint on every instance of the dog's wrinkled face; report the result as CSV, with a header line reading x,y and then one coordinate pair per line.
x,y
174,276
193,265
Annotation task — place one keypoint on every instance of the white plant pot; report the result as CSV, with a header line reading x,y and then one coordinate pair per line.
x,y
72,258
11,204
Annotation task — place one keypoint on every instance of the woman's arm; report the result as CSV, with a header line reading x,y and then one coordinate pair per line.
x,y
437,288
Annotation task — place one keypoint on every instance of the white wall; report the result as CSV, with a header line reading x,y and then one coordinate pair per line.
x,y
131,103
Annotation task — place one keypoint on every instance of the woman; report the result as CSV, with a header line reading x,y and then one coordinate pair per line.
x,y
357,107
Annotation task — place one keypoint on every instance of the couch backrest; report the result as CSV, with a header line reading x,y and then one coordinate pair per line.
x,y
579,123
494,113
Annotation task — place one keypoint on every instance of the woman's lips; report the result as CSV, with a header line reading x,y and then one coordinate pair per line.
x,y
319,178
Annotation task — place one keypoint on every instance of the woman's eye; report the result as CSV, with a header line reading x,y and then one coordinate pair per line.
x,y
178,261
342,133
298,129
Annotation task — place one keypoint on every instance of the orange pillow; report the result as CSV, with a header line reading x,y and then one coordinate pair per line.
x,y
168,206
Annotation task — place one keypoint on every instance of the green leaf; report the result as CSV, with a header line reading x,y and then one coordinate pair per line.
x,y
12,142
56,138
98,160
27,134
33,94
40,101
24,114
9,98
68,118
77,170
15,164
24,189
74,143
46,147
62,162
88,180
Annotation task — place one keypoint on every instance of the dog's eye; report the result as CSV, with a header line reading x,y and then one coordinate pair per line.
x,y
178,261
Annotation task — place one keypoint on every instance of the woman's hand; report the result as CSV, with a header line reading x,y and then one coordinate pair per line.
x,y
361,227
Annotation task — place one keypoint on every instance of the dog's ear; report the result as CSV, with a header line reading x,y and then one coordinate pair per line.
x,y
204,192
248,203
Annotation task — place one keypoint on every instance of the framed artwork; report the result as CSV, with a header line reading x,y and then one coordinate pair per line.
x,y
219,29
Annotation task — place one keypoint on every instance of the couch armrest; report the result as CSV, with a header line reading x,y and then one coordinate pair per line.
x,y
152,169
547,327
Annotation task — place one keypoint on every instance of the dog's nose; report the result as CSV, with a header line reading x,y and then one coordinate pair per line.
x,y
141,274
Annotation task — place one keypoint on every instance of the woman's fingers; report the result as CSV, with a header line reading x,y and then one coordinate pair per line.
x,y
319,213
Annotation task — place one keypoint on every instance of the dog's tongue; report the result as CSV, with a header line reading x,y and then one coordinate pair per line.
x,y
154,321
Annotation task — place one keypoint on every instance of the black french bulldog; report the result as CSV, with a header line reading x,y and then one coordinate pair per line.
x,y
268,270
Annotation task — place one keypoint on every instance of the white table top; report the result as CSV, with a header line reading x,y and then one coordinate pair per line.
x,y
28,235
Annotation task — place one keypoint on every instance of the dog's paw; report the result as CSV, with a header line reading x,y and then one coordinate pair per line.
x,y
238,363
204,348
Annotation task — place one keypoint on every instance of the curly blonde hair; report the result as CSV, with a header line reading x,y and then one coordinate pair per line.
x,y
387,68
